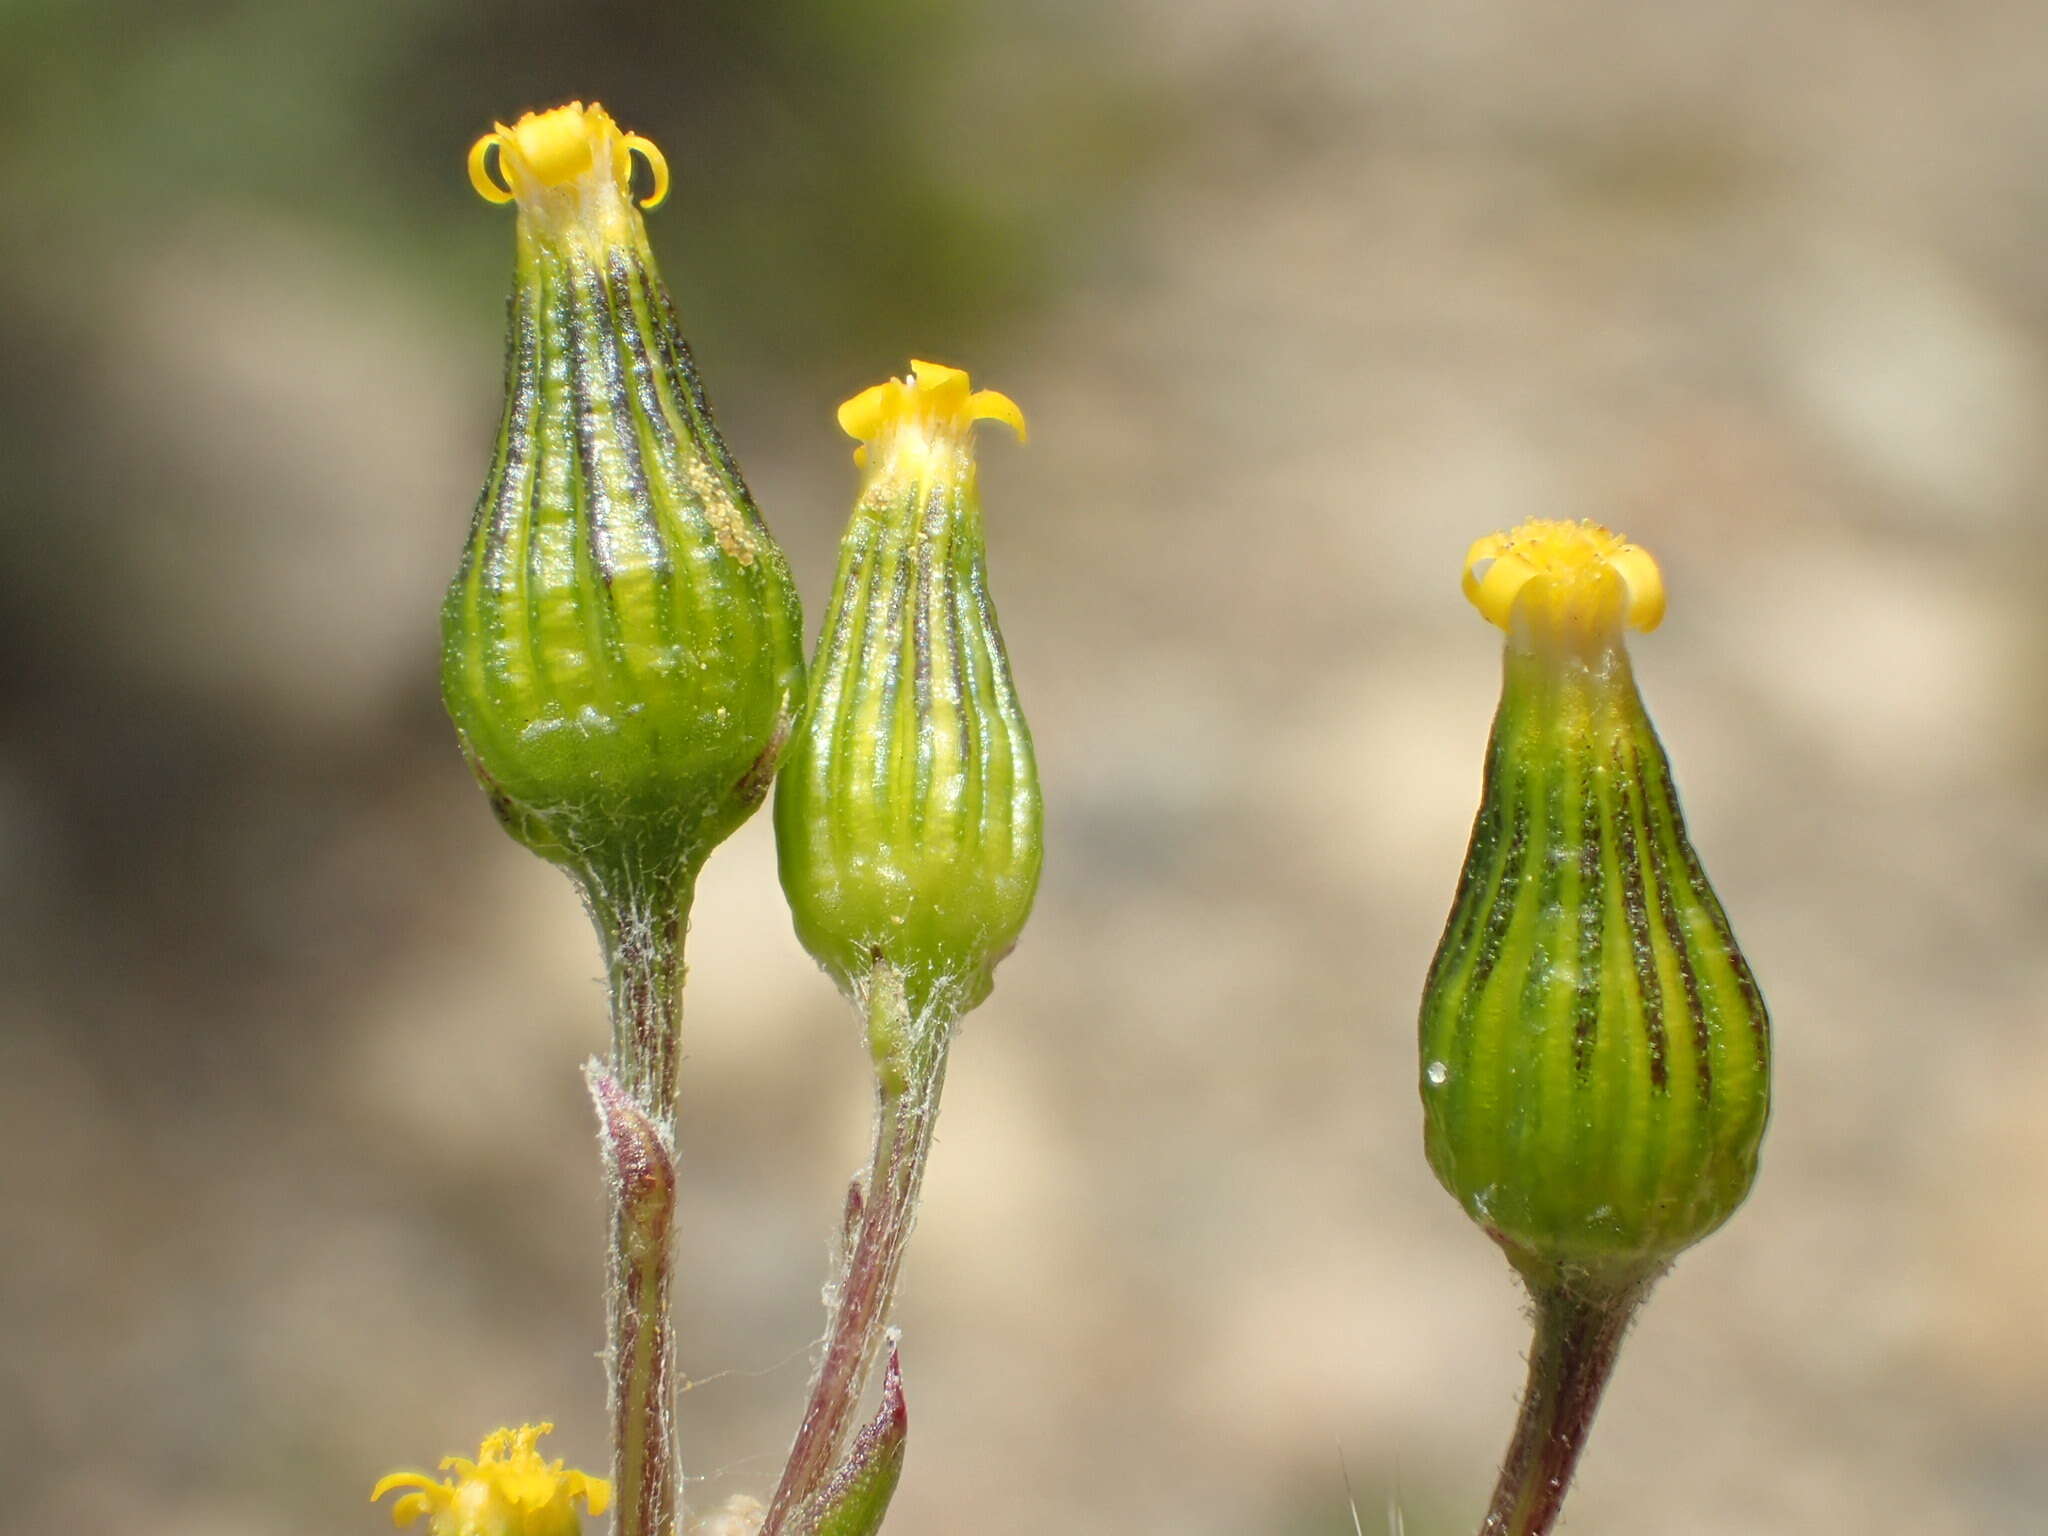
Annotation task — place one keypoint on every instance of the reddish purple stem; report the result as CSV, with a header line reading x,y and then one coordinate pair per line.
x,y
1578,1337
880,1215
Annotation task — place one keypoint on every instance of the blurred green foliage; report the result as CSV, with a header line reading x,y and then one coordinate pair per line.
x,y
854,182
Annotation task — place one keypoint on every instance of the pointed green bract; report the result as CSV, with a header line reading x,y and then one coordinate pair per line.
x,y
1595,1053
622,644
907,815
857,1499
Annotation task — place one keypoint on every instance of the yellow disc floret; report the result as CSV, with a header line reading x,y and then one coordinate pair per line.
x,y
929,409
1577,569
507,1491
546,150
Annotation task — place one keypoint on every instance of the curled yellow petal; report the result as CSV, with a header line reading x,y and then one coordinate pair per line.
x,y
862,416
994,405
1577,567
657,163
596,1492
1483,551
429,1497
1645,586
1500,582
487,186
393,1480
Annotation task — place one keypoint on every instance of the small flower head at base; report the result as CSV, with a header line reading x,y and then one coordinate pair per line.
x,y
1564,577
507,1491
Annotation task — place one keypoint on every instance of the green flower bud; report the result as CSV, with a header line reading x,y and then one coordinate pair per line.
x,y
622,644
1595,1053
907,816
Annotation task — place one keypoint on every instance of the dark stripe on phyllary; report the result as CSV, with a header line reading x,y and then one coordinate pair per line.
x,y
1471,886
890,685
509,487
919,557
681,370
1703,893
1635,907
647,391
1674,933
620,321
975,698
1592,922
1505,896
1549,899
601,395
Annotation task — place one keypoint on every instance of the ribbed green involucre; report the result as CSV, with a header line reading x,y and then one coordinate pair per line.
x,y
622,644
907,814
1595,1053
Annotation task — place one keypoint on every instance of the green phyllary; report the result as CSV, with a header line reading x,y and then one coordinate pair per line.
x,y
908,817
622,647
1595,1053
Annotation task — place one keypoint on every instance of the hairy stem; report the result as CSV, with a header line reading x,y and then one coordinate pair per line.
x,y
643,949
907,1107
1578,1337
642,935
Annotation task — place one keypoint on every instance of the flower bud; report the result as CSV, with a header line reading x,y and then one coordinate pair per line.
x,y
622,645
1595,1053
507,1491
907,816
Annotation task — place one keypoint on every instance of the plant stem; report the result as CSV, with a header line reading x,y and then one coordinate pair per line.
x,y
1578,1337
907,1109
643,950
643,943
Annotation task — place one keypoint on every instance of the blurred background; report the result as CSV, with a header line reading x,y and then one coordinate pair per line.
x,y
296,1172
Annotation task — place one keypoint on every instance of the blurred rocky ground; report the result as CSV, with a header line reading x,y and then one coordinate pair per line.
x,y
295,1171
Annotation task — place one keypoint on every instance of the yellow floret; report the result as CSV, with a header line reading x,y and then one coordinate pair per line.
x,y
507,1491
931,407
1571,566
555,148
